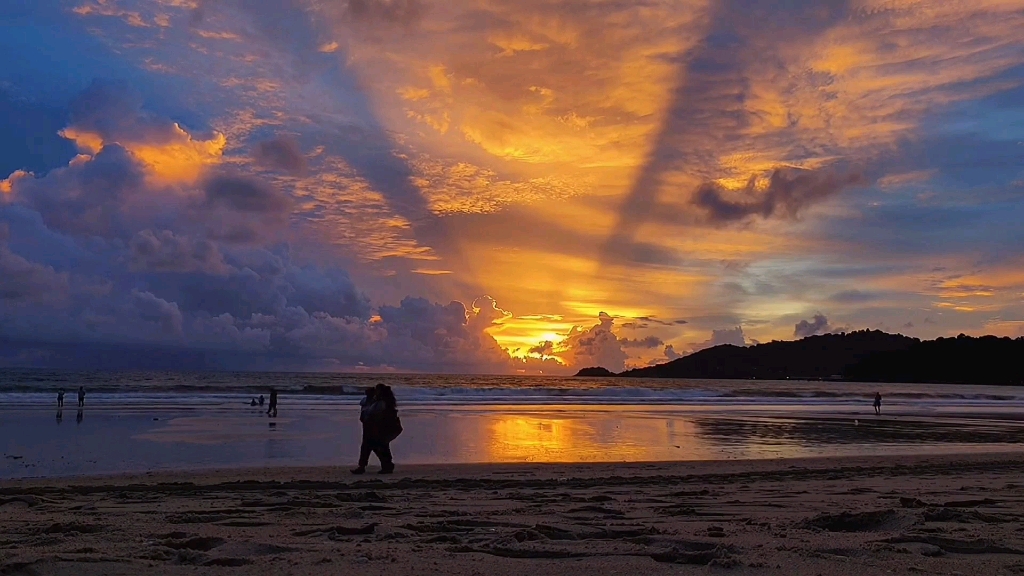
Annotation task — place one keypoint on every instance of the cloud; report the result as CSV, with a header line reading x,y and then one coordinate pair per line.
x,y
158,311
404,12
163,251
818,325
647,342
25,283
111,112
239,208
281,153
733,336
784,193
670,352
853,297
594,346
89,196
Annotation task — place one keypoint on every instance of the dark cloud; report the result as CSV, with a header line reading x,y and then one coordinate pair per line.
x,y
163,251
545,348
241,209
24,282
281,153
243,194
818,325
853,297
647,342
707,110
788,191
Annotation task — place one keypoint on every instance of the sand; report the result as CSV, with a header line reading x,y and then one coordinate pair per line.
x,y
929,515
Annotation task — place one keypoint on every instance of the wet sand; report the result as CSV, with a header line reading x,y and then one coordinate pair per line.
x,y
113,439
950,514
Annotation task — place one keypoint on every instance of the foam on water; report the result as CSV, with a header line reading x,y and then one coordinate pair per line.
x,y
22,388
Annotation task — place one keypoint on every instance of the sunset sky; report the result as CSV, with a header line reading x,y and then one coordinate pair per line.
x,y
501,185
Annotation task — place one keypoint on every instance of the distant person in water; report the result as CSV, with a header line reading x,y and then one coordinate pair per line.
x,y
81,396
381,425
261,400
878,403
60,398
272,409
253,402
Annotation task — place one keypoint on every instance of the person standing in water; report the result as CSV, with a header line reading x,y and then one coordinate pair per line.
x,y
381,425
262,401
60,398
81,396
878,403
272,409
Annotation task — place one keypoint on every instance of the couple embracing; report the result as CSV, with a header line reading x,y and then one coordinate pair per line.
x,y
381,425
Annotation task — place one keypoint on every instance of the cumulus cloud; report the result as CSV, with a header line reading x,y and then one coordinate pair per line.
x,y
25,283
733,336
785,193
111,112
163,251
670,352
819,324
594,346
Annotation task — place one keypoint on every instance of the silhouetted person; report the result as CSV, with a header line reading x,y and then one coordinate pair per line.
x,y
272,409
253,402
60,398
79,416
81,397
261,400
878,403
381,426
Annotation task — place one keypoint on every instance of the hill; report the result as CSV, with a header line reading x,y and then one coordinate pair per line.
x,y
866,355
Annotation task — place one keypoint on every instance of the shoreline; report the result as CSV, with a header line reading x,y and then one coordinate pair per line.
x,y
679,469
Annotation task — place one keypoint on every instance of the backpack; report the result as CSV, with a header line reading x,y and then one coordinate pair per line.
x,y
391,428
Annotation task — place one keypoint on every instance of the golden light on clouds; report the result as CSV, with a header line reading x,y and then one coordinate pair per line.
x,y
552,149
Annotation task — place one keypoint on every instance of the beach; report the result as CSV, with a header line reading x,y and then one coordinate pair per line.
x,y
172,474
949,514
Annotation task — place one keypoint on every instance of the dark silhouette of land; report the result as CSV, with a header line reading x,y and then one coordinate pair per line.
x,y
596,371
865,356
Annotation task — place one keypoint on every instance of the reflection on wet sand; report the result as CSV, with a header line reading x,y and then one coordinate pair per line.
x,y
824,432
135,440
588,437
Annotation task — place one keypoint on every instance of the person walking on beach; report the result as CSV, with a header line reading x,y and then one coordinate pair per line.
x,y
261,400
60,398
272,409
878,403
81,396
381,425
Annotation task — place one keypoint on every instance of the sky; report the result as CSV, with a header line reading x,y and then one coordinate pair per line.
x,y
499,186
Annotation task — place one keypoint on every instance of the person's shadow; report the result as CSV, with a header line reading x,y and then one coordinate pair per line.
x,y
60,416
79,416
